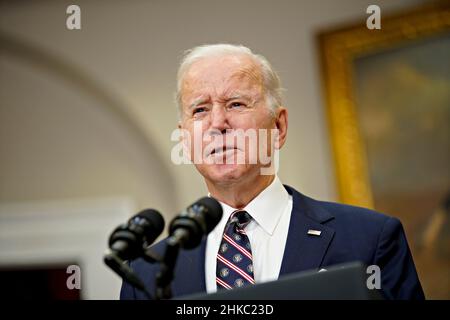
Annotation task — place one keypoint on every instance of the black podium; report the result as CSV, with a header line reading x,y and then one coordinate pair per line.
x,y
340,282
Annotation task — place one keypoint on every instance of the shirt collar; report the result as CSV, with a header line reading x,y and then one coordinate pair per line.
x,y
266,208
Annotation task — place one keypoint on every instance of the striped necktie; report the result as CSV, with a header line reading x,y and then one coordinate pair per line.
x,y
234,259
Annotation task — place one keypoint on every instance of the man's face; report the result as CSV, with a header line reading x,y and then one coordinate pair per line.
x,y
223,97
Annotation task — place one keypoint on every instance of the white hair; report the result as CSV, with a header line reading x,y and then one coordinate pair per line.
x,y
272,84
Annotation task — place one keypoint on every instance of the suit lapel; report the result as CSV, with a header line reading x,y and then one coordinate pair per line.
x,y
304,251
191,268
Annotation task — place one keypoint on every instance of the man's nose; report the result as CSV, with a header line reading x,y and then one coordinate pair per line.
x,y
219,119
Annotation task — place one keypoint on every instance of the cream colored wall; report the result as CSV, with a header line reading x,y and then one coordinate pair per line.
x,y
59,140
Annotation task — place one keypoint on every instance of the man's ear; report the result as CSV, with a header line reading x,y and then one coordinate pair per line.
x,y
179,127
185,140
281,123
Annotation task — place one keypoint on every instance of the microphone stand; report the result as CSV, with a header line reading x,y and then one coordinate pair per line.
x,y
126,273
166,275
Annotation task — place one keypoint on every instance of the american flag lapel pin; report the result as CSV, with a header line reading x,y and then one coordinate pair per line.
x,y
314,232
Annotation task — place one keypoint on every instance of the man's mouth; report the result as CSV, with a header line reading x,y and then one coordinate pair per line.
x,y
222,149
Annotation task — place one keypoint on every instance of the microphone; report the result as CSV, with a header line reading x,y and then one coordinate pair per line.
x,y
128,241
189,227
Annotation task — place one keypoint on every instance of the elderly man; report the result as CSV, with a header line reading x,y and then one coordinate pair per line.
x,y
226,92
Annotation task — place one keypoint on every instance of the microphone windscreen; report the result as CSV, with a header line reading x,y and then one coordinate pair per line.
x,y
213,212
155,223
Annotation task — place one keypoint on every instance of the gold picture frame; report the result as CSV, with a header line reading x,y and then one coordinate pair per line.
x,y
339,48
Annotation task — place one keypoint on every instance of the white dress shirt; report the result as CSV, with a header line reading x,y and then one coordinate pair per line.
x,y
267,232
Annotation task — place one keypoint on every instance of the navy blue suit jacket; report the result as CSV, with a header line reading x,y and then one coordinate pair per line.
x,y
348,234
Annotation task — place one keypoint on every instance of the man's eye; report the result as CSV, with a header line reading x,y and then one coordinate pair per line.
x,y
236,105
199,110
